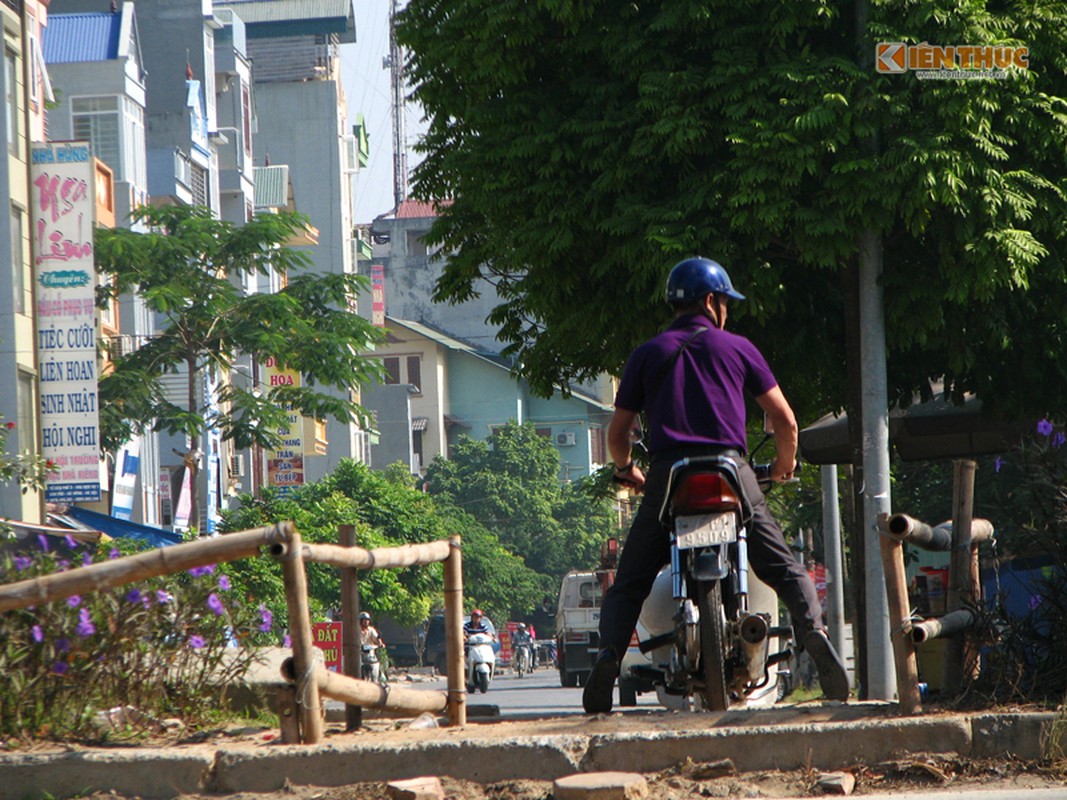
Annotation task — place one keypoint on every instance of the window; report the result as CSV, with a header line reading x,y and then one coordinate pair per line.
x,y
404,370
27,421
96,120
11,101
20,265
246,121
416,244
392,370
415,373
198,176
598,446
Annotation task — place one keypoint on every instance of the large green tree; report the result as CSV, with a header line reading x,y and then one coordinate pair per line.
x,y
510,484
588,146
190,268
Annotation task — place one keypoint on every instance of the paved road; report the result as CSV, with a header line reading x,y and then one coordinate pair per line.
x,y
536,694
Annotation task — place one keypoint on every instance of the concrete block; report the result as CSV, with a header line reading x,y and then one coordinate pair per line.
x,y
424,788
1022,735
140,772
836,782
600,786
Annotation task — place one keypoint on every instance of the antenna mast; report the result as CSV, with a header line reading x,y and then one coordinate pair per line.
x,y
396,73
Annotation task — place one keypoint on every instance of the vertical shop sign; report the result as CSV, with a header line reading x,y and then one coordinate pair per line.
x,y
377,295
327,637
285,466
63,203
127,463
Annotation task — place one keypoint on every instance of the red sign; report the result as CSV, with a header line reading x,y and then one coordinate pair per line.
x,y
327,637
377,294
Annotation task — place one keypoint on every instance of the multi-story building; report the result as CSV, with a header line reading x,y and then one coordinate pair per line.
x,y
303,123
26,90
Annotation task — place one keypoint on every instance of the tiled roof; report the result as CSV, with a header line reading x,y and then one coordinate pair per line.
x,y
418,209
76,38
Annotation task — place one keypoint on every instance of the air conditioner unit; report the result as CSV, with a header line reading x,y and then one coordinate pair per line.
x,y
237,465
566,439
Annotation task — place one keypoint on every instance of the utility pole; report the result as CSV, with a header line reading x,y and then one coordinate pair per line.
x,y
396,73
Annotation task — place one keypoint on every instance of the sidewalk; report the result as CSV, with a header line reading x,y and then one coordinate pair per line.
x,y
824,737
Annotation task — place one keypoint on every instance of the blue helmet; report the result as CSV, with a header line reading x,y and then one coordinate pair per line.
x,y
692,279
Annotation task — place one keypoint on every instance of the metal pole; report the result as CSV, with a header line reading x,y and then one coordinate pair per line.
x,y
875,437
832,557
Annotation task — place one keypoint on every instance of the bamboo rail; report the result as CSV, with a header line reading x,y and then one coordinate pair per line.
x,y
409,555
359,693
162,561
937,538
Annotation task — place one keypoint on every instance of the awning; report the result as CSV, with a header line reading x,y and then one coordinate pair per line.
x,y
120,528
419,423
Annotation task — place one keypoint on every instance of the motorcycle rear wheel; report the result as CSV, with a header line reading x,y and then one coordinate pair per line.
x,y
483,682
712,645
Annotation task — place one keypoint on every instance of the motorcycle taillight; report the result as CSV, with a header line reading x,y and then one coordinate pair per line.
x,y
704,492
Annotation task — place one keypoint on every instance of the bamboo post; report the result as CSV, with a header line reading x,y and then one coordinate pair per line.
x,y
963,589
129,569
896,588
351,657
296,601
457,686
287,714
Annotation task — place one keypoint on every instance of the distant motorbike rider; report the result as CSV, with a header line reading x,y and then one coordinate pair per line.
x,y
522,639
370,640
691,381
478,623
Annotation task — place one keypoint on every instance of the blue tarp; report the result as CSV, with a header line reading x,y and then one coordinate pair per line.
x,y
122,529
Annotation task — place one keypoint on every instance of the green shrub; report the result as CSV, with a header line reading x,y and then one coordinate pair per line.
x,y
168,647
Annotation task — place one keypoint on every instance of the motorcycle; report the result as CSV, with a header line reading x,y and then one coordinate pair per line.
x,y
706,628
370,664
481,662
522,659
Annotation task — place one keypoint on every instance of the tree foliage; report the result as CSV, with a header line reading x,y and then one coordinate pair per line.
x,y
589,146
510,484
190,268
386,512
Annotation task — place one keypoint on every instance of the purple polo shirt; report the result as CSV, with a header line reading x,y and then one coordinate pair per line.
x,y
700,399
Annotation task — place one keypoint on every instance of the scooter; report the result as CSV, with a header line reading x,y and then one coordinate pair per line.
x,y
522,659
370,664
481,662
704,640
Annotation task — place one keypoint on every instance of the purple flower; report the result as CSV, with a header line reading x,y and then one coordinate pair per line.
x,y
37,634
197,572
74,601
266,619
1044,427
163,597
87,558
997,464
1059,439
63,565
113,553
61,668
215,604
43,541
224,583
85,624
287,642
133,596
196,642
62,645
23,562
71,541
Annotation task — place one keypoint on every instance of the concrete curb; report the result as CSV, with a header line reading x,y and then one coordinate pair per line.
x,y
484,754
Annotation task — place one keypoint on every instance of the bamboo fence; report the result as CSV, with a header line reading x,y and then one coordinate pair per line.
x,y
303,671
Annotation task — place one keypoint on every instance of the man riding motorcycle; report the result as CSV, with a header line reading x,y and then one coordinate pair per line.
x,y
369,641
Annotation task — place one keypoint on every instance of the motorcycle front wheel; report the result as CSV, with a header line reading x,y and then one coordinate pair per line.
x,y
712,645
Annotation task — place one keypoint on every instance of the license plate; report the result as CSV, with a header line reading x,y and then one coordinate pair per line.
x,y
704,530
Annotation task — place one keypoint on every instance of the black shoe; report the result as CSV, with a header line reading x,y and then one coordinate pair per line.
x,y
596,697
832,675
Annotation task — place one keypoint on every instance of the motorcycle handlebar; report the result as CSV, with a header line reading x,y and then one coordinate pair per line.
x,y
763,474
